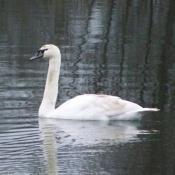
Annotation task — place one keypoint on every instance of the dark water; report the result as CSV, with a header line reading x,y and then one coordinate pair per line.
x,y
123,48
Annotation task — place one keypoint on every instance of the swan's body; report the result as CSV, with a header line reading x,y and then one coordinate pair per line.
x,y
82,107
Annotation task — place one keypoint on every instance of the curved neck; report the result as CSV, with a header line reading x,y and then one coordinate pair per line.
x,y
51,87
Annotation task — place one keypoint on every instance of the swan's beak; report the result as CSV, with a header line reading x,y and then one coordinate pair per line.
x,y
38,55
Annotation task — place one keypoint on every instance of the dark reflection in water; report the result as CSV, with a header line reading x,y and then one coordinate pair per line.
x,y
123,48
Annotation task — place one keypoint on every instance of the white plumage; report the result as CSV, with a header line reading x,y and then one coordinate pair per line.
x,y
82,107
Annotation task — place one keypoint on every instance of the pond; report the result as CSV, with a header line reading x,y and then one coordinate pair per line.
x,y
115,47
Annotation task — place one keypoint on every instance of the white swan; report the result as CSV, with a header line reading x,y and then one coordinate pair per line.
x,y
82,107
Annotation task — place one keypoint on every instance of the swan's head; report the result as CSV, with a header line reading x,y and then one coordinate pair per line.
x,y
47,51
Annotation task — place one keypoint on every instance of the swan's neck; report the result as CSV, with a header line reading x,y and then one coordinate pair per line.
x,y
51,87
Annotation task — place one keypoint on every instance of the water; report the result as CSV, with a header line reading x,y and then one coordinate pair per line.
x,y
108,47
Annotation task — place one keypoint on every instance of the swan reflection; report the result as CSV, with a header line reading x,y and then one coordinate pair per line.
x,y
88,132
60,134
49,146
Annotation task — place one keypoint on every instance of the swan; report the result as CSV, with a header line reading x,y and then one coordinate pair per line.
x,y
81,107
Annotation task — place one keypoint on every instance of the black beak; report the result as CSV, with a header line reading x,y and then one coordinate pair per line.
x,y
40,54
37,56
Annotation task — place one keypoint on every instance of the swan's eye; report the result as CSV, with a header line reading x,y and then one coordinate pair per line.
x,y
41,51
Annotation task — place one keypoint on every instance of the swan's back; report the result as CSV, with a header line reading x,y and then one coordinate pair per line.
x,y
93,107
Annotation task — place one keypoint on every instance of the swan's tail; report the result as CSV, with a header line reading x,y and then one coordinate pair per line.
x,y
148,109
135,114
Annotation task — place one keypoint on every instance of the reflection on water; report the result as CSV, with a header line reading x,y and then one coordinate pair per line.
x,y
80,147
115,47
92,133
76,141
49,146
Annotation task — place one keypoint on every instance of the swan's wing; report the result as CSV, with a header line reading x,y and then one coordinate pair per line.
x,y
93,107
